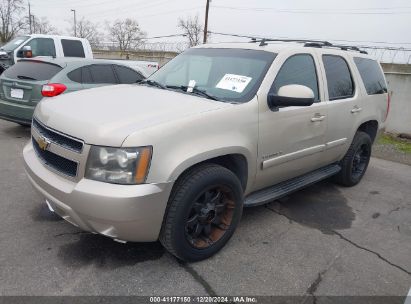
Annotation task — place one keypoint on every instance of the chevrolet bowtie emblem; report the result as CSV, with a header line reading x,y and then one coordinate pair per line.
x,y
43,143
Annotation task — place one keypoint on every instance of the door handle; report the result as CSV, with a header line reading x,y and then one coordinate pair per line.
x,y
356,109
318,117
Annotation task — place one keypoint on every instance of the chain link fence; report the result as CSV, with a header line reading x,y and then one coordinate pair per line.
x,y
168,50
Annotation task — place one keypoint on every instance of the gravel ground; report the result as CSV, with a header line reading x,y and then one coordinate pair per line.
x,y
390,152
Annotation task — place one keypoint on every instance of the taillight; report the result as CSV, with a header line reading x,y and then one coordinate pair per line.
x,y
53,89
388,105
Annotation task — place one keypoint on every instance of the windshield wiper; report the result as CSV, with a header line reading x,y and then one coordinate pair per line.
x,y
195,91
153,83
25,77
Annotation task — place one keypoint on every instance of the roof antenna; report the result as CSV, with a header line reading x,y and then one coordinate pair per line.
x,y
263,42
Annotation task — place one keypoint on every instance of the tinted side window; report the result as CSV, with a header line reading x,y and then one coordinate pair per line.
x,y
72,48
298,69
339,79
42,47
371,75
34,70
127,75
86,75
75,75
102,73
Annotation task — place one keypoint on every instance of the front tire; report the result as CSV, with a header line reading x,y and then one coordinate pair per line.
x,y
356,160
204,210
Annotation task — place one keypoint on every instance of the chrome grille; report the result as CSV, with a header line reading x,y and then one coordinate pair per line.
x,y
56,162
58,138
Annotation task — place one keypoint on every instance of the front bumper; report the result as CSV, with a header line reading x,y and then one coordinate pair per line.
x,y
15,112
127,213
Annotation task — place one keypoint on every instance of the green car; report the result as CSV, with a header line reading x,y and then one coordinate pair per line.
x,y
24,84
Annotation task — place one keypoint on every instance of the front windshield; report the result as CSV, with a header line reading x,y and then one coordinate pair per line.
x,y
227,74
13,44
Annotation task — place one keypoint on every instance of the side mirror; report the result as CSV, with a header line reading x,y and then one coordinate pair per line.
x,y
27,52
293,95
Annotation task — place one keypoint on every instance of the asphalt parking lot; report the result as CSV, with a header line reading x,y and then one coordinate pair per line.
x,y
325,240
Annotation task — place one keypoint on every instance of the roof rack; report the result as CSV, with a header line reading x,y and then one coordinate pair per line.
x,y
263,41
308,43
350,48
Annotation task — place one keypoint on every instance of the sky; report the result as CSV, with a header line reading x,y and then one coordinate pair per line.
x,y
365,21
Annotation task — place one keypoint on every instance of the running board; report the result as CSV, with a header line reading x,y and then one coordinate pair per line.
x,y
282,189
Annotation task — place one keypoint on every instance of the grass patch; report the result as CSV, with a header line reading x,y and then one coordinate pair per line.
x,y
401,145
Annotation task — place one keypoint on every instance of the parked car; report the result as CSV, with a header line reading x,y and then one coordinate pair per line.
x,y
35,45
23,85
55,46
218,128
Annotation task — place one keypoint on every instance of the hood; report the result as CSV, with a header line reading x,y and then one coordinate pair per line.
x,y
107,115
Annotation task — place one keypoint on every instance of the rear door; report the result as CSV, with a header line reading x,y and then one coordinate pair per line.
x,y
22,83
343,99
73,48
97,75
375,100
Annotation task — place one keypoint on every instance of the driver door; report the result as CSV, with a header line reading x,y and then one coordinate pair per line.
x,y
291,139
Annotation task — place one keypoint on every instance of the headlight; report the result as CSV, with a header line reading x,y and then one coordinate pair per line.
x,y
127,166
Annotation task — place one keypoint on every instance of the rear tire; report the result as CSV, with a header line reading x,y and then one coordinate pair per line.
x,y
204,209
356,160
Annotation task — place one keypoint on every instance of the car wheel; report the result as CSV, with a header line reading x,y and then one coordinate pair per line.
x,y
204,210
355,162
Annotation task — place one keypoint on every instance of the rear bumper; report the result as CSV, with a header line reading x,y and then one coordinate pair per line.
x,y
14,112
127,213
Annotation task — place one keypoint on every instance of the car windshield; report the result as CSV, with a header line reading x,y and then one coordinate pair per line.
x,y
13,44
232,75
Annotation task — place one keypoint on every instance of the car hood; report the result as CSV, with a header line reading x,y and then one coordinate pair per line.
x,y
107,115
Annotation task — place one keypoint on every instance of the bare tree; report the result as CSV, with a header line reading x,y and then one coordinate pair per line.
x,y
89,30
11,21
126,33
43,26
192,28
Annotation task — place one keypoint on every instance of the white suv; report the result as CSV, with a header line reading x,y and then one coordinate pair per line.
x,y
219,128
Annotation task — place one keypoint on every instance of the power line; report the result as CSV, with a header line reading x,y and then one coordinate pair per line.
x,y
127,10
296,11
165,36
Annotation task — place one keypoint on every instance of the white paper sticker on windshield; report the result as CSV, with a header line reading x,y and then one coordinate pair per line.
x,y
191,86
236,83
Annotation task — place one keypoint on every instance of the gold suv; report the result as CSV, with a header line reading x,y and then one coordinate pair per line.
x,y
220,127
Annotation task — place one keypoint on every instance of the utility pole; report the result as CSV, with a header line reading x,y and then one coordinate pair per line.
x,y
206,22
33,22
30,18
75,22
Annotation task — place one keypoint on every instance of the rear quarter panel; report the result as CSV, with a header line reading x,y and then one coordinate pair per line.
x,y
375,106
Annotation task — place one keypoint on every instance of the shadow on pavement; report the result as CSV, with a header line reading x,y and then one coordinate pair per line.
x,y
17,131
321,206
103,252
42,214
